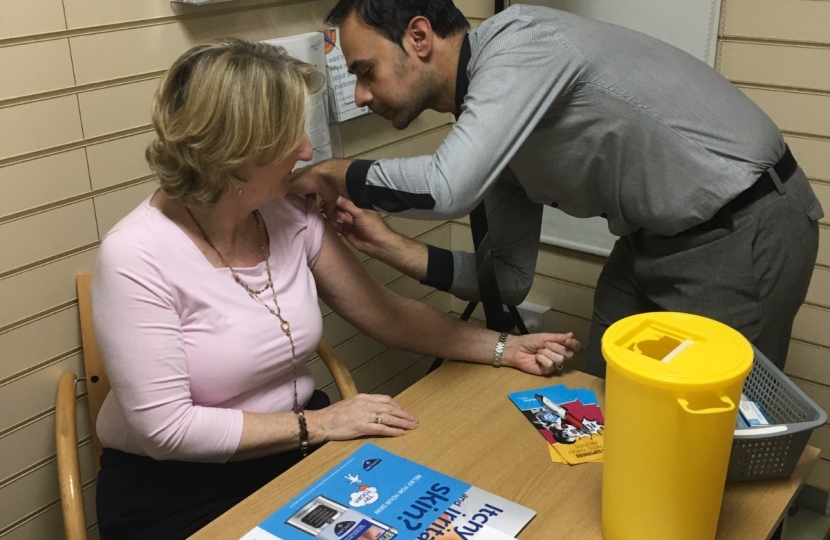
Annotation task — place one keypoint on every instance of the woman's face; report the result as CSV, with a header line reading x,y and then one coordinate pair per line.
x,y
270,181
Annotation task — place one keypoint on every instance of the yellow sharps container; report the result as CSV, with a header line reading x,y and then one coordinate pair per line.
x,y
672,391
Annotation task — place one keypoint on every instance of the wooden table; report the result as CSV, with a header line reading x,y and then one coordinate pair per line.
x,y
469,429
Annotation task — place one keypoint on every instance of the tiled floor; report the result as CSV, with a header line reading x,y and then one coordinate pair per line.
x,y
807,525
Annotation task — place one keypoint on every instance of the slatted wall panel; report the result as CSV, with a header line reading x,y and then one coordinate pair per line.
x,y
778,53
77,79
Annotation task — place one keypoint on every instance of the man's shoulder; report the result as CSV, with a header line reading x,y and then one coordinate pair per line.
x,y
523,28
516,18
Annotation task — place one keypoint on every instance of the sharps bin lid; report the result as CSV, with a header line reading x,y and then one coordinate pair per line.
x,y
677,350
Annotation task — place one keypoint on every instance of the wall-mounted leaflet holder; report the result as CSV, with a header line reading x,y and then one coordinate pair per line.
x,y
309,48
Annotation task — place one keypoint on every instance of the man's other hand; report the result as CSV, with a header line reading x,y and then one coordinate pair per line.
x,y
327,179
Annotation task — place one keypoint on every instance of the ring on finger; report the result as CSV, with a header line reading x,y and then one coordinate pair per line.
x,y
378,419
560,367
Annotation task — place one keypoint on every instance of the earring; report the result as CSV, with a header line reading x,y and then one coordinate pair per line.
x,y
239,192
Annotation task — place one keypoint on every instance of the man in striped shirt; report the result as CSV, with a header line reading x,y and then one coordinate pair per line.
x,y
713,213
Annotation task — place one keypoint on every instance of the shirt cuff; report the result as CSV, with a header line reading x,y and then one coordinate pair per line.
x,y
439,268
356,182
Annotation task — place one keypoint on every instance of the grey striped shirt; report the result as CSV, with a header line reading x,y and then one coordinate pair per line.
x,y
590,117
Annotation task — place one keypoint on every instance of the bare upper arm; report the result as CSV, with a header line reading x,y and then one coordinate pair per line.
x,y
345,285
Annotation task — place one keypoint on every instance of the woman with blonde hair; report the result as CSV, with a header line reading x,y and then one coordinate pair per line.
x,y
205,303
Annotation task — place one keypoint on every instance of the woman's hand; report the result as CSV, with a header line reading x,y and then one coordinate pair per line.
x,y
357,417
539,354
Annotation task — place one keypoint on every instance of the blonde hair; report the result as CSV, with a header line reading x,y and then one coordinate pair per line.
x,y
220,105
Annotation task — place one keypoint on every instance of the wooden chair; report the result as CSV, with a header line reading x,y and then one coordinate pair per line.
x,y
98,386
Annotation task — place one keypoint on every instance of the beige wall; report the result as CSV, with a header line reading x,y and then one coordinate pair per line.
x,y
778,53
76,77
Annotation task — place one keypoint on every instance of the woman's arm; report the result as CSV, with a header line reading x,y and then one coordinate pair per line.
x,y
268,433
401,323
140,336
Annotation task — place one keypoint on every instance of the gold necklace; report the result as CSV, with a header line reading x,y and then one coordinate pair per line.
x,y
253,293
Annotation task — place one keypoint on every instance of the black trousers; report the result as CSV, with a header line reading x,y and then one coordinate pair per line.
x,y
748,267
140,498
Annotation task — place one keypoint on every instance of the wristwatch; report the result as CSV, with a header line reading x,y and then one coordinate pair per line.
x,y
499,350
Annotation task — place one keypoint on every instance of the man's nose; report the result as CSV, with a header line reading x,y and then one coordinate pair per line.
x,y
362,95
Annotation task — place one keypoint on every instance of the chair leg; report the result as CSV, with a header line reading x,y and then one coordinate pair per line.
x,y
69,475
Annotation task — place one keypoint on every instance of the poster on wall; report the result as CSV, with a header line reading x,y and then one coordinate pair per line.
x,y
341,83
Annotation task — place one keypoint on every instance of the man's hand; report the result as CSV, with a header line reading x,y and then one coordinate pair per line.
x,y
367,232
363,229
539,354
327,179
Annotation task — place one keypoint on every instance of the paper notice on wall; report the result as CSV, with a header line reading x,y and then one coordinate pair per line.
x,y
309,48
341,83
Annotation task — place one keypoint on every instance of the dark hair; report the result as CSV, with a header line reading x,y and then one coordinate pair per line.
x,y
391,17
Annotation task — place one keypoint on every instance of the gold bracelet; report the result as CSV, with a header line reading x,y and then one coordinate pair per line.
x,y
499,350
303,433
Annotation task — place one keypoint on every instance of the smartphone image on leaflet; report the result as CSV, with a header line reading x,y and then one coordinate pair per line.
x,y
325,519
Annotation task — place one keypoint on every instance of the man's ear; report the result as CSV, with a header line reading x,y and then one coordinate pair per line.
x,y
419,37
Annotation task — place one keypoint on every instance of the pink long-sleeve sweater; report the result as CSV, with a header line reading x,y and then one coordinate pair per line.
x,y
185,347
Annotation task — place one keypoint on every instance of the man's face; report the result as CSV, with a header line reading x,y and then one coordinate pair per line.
x,y
392,83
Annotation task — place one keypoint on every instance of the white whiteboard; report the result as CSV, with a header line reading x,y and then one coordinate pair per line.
x,y
690,25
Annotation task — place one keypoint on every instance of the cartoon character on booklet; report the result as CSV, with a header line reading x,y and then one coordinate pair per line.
x,y
562,426
552,427
565,433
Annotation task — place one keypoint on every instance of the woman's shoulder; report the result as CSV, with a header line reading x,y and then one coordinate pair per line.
x,y
295,222
141,236
293,206
292,211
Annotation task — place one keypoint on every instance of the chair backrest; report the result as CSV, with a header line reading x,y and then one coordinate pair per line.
x,y
98,384
339,372
97,381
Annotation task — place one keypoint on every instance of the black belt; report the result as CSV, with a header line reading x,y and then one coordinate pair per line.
x,y
765,185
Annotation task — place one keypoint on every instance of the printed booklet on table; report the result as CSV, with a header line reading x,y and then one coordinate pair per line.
x,y
569,419
376,495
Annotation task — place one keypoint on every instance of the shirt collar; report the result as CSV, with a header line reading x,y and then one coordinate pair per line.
x,y
462,82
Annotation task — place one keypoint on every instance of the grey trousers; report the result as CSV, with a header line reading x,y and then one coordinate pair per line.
x,y
749,269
